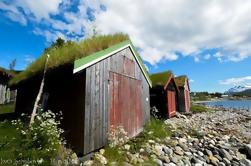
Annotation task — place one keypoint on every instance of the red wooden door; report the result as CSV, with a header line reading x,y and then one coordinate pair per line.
x,y
125,103
171,103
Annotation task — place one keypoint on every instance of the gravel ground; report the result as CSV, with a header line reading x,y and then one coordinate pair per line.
x,y
218,138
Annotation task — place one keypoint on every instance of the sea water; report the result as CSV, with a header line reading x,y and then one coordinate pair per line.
x,y
238,104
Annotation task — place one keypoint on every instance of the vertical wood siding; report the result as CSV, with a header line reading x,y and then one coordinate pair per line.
x,y
171,103
187,97
3,90
182,105
98,96
125,105
184,99
6,95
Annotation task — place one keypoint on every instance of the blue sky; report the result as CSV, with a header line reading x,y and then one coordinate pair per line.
x,y
215,54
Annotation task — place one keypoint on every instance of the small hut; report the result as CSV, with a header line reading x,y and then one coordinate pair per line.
x,y
98,84
164,94
184,95
6,94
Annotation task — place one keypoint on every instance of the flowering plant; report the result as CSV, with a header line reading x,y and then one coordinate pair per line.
x,y
41,141
117,136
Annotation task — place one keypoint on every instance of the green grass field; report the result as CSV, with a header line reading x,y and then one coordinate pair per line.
x,y
195,108
7,108
8,141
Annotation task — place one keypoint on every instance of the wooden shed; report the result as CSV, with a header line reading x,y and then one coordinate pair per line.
x,y
164,94
184,95
97,89
6,94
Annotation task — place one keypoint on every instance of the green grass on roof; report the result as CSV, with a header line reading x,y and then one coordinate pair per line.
x,y
160,78
2,70
180,80
69,53
9,73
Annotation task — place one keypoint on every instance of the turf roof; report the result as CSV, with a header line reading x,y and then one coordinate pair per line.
x,y
69,53
6,72
180,80
160,78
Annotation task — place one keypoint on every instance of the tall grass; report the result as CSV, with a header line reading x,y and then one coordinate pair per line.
x,y
180,80
195,108
68,53
8,140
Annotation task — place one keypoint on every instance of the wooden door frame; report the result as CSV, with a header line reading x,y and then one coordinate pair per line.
x,y
110,99
173,94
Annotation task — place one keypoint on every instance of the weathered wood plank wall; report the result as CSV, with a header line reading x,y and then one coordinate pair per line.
x,y
181,101
98,97
6,95
3,89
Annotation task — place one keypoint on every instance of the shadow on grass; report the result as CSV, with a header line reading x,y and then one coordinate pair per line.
x,y
7,108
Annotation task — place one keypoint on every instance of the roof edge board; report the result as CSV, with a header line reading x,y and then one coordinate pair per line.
x,y
80,64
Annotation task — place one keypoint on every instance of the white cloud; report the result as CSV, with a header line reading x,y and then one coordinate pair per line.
x,y
191,80
49,35
39,8
236,81
16,18
207,56
185,26
160,28
13,13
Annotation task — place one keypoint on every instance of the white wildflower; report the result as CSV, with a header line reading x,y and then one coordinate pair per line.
x,y
101,158
102,151
40,161
88,163
23,132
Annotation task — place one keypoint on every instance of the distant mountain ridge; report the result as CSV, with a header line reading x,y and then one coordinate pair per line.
x,y
246,92
237,89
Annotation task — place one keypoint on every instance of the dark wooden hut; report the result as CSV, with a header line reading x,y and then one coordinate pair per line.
x,y
6,94
107,87
164,94
184,95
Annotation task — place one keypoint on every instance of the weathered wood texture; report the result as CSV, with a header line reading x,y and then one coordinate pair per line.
x,y
98,97
84,98
184,98
125,103
182,105
171,103
166,101
6,95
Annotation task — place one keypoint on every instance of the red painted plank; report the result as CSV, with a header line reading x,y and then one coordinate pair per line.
x,y
125,106
171,103
139,106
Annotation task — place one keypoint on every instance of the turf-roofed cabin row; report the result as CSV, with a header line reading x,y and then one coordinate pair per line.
x,y
169,94
95,92
99,84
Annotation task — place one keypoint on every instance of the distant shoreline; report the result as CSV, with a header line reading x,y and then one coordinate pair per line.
x,y
222,99
237,104
205,101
